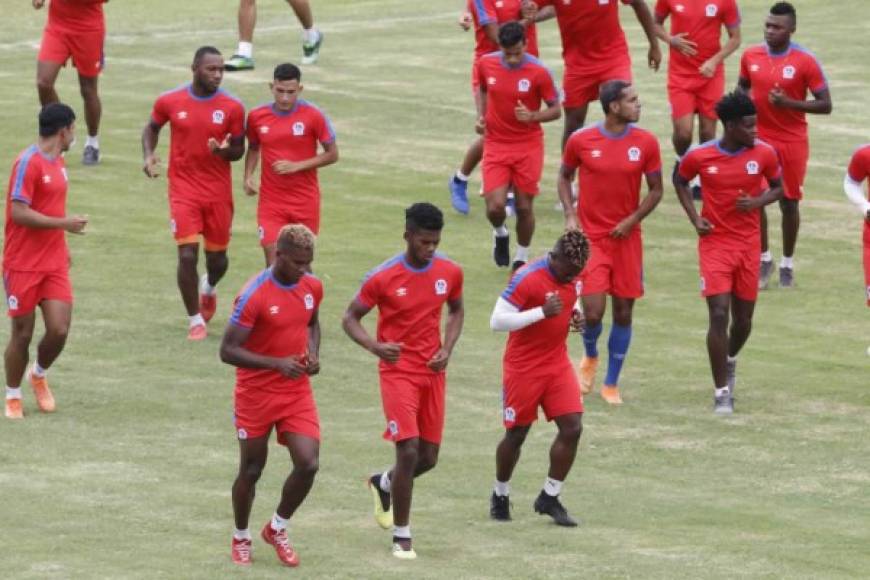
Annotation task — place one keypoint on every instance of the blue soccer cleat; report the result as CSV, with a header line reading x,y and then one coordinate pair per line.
x,y
458,195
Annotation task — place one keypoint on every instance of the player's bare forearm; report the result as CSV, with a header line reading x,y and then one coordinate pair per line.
x,y
545,13
661,33
645,17
681,186
252,159
235,151
314,335
773,194
351,322
233,353
23,215
328,157
150,137
652,199
551,113
455,320
491,32
733,43
563,189
820,105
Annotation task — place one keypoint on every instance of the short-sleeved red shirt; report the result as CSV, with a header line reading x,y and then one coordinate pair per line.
x,y
592,37
76,15
485,12
702,22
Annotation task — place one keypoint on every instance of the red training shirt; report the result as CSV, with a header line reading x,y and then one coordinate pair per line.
x,y
702,21
485,12
859,170
592,38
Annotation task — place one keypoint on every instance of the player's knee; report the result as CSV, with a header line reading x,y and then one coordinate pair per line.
x,y
187,258
719,317
742,324
88,90
307,467
622,316
20,339
408,453
682,140
251,472
788,206
516,436
57,331
571,431
44,84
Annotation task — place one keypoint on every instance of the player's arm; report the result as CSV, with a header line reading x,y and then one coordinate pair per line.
x,y
506,317
313,362
684,194
230,149
37,4
563,188
820,104
233,353
708,69
679,41
855,193
22,214
773,194
545,13
645,17
351,322
455,319
150,136
649,203
252,159
327,157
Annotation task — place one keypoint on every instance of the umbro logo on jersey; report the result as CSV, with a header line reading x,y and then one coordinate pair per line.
x,y
309,302
754,68
182,115
217,117
752,167
788,72
634,154
440,287
603,2
713,170
524,85
46,179
273,310
596,153
679,8
264,129
490,80
298,128
402,291
499,4
712,10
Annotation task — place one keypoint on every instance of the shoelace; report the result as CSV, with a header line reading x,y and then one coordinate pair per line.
x,y
243,549
282,540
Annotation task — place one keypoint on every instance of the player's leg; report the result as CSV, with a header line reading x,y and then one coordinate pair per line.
x,y
741,324
217,223
682,133
57,316
89,87
458,184
562,454
706,128
527,168
243,59
575,118
594,306
311,37
216,263
253,453
525,227
791,222
46,76
496,199
15,360
765,268
188,278
507,454
617,347
718,306
401,489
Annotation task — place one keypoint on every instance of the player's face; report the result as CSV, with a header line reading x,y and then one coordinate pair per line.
x,y
422,244
744,131
778,29
513,55
67,137
628,107
291,264
563,270
285,93
209,72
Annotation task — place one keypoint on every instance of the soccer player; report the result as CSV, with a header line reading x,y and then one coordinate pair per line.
x,y
208,132
286,133
538,308
733,171
512,86
612,158
779,74
595,51
76,29
244,57
273,338
859,170
696,73
36,257
409,291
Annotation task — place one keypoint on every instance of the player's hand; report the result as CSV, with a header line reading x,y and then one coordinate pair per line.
x,y
217,147
250,186
465,21
654,56
528,11
623,228
151,166
578,321
290,367
387,351
312,364
748,203
702,226
552,305
76,224
38,4
480,126
284,167
708,69
439,362
523,114
683,44
777,97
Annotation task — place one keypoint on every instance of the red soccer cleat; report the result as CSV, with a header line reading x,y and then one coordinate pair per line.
x,y
242,552
44,398
281,542
14,410
207,306
197,332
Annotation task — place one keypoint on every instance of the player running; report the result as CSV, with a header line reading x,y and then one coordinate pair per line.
x,y
538,308
696,71
285,134
859,170
76,29
409,291
273,339
244,57
208,132
36,258
612,158
733,171
779,74
512,86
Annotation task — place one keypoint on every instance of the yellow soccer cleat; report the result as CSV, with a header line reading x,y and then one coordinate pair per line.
x,y
610,393
383,507
403,554
586,369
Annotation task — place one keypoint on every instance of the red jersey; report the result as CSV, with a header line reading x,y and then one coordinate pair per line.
x,y
702,21
592,38
796,72
859,170
725,177
291,135
194,171
76,15
278,317
409,302
539,347
530,82
40,182
485,12
610,169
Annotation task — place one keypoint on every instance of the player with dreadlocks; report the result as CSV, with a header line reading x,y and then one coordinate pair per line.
x,y
538,308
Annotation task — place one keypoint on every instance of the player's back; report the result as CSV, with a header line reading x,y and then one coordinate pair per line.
x,y
485,12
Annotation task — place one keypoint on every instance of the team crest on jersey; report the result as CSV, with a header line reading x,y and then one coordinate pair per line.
x,y
524,85
490,80
634,154
401,291
12,301
788,72
242,434
510,415
712,10
393,427
217,117
273,310
752,167
309,302
679,8
754,68
298,128
578,288
182,115
441,287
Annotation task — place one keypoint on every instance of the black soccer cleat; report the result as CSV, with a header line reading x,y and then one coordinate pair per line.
x,y
551,506
501,251
500,507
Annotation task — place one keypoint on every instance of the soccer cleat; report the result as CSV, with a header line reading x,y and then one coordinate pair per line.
x,y
14,410
764,273
281,543
383,509
44,398
238,62
310,52
610,393
241,552
786,278
501,251
197,332
402,549
723,405
500,507
586,370
91,155
731,374
517,265
458,195
551,506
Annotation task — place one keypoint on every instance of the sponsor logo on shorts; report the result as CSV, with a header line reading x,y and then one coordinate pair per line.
x,y
264,129
182,115
703,284
712,10
788,72
273,310
12,301
242,434
217,117
309,302
524,85
393,427
441,287
634,154
298,128
510,415
752,167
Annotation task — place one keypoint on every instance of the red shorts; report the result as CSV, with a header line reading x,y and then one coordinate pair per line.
x,y
25,290
557,392
213,220
615,267
688,96
85,49
270,221
793,157
255,415
729,271
581,86
413,405
517,165
867,265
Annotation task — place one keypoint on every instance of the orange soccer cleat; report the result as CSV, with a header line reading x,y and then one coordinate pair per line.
x,y
586,369
14,410
44,398
197,332
242,552
610,393
281,543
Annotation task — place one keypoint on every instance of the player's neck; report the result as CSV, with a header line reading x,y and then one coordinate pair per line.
x,y
615,126
779,48
729,145
200,91
414,262
49,146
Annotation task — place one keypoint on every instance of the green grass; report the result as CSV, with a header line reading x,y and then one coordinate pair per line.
x,y
131,477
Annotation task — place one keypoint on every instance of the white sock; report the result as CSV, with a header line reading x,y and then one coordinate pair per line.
x,y
385,483
732,359
196,319
403,532
766,256
461,176
93,141
501,231
38,371
722,391
246,49
242,534
310,35
522,254
13,393
786,262
279,523
205,287
552,487
502,488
